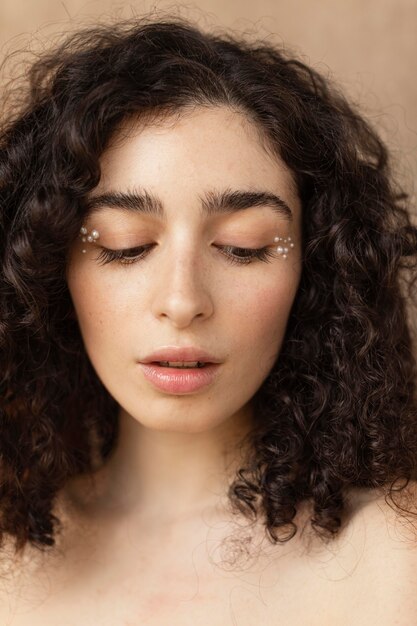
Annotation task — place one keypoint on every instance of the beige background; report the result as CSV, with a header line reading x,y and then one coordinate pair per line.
x,y
369,46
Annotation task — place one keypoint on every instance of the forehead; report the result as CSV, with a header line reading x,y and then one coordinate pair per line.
x,y
214,156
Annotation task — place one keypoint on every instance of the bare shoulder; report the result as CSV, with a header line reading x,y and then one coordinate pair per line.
x,y
11,573
389,519
382,531
25,582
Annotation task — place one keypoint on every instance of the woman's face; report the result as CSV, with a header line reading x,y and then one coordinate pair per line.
x,y
185,290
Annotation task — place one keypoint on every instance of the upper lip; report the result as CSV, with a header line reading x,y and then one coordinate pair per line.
x,y
187,353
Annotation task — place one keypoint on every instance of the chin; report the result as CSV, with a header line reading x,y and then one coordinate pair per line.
x,y
180,424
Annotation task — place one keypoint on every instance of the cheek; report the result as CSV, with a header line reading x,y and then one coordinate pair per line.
x,y
97,313
273,307
263,314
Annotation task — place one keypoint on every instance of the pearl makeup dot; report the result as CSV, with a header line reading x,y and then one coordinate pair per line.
x,y
284,245
92,237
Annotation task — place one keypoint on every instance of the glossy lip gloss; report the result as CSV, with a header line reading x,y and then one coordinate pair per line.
x,y
176,380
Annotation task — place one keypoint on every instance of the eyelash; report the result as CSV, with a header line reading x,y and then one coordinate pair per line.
x,y
262,254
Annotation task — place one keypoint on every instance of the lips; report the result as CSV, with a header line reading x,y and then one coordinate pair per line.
x,y
180,381
178,354
180,364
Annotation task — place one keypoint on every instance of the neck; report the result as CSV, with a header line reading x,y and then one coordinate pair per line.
x,y
159,474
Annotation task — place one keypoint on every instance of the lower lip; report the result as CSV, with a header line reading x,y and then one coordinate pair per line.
x,y
177,380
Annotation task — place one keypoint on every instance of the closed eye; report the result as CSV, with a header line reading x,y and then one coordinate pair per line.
x,y
233,254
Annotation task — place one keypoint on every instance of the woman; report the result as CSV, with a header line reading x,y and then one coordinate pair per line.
x,y
209,388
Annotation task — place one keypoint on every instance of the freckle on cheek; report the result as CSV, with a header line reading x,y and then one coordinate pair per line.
x,y
271,307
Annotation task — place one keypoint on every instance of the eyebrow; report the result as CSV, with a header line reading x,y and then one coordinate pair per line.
x,y
212,203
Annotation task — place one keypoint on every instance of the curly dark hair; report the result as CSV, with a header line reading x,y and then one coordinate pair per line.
x,y
339,407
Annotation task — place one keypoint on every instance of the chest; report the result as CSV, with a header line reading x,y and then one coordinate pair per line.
x,y
154,579
187,588
181,602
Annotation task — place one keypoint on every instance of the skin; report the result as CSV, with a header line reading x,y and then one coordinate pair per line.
x,y
184,292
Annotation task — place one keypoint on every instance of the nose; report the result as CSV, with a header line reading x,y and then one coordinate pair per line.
x,y
181,291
